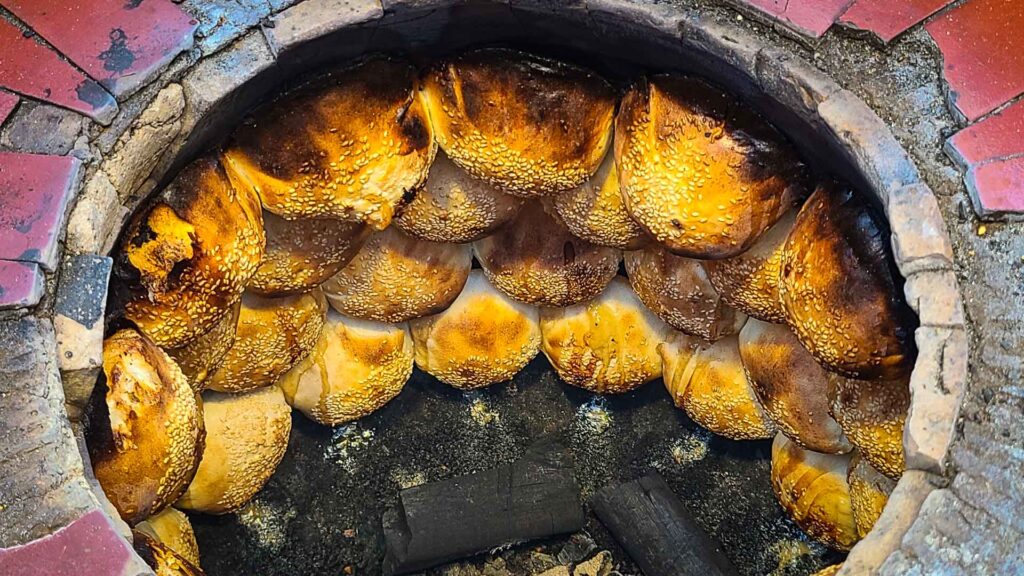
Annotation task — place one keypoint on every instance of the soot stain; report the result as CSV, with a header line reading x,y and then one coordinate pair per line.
x,y
117,57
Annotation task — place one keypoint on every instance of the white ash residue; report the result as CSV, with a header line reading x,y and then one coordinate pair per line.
x,y
480,411
593,417
267,522
406,479
690,449
347,444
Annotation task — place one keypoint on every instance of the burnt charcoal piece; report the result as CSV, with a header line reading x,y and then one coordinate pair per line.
x,y
650,523
534,497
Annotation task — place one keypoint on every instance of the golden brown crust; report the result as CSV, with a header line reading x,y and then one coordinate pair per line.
x,y
608,345
792,387
528,125
396,278
203,355
594,211
349,145
273,335
144,429
534,259
302,254
749,281
872,414
678,290
172,529
356,367
483,338
869,491
829,570
812,488
454,207
841,291
700,172
163,559
707,381
187,257
246,437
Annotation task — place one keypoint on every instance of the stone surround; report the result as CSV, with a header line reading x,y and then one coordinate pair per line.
x,y
970,469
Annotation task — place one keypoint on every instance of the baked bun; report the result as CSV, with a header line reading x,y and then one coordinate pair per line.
x,y
144,429
163,559
395,278
594,211
749,281
608,345
869,491
528,125
700,172
203,355
872,414
812,489
534,259
678,290
829,570
356,367
454,207
187,257
841,291
483,338
791,386
172,529
349,145
708,382
301,254
246,437
273,334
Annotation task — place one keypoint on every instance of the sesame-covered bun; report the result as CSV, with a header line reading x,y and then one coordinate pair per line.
x,y
356,367
454,207
349,145
144,427
749,281
528,125
483,338
302,253
812,489
246,437
164,560
607,345
700,172
872,414
792,387
708,382
869,491
273,334
172,529
395,278
841,291
187,257
534,259
200,357
594,211
678,290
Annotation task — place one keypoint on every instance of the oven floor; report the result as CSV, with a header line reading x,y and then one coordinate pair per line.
x,y
320,513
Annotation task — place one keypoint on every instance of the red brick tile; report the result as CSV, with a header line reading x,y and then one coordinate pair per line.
x,y
88,546
32,69
21,286
997,188
888,19
983,49
7,103
121,43
34,194
808,17
998,136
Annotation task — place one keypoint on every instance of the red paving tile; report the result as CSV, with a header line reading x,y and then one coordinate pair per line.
x,y
121,43
30,68
7,103
997,188
809,17
34,194
888,19
998,136
88,546
21,286
983,49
